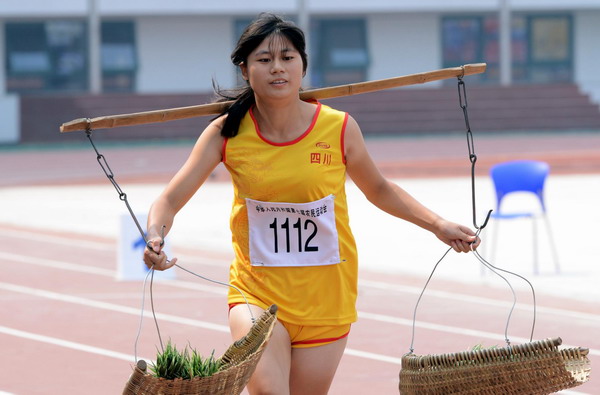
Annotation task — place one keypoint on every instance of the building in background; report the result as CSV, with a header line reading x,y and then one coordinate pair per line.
x,y
179,47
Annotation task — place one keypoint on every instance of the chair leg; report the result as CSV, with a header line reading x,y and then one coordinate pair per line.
x,y
552,245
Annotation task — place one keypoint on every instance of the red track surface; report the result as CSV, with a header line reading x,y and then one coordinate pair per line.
x,y
67,327
55,305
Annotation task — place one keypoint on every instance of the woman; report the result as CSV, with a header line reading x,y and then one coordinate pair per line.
x,y
293,246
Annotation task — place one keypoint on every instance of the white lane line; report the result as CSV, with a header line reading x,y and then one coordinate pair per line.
x,y
61,240
74,267
371,316
370,355
451,329
363,283
66,343
160,316
366,283
223,328
111,306
476,299
101,246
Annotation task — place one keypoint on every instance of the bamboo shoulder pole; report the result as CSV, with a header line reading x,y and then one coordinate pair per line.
x,y
171,114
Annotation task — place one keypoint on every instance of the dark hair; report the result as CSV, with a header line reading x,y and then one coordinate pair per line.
x,y
254,34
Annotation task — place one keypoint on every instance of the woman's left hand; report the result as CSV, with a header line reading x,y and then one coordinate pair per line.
x,y
460,238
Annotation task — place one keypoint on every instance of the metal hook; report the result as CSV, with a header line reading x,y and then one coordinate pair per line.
x,y
88,126
487,217
162,236
462,93
473,159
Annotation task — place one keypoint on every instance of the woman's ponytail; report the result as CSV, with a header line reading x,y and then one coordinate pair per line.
x,y
243,100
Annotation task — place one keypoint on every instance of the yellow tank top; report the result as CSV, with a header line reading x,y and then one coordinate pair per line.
x,y
289,204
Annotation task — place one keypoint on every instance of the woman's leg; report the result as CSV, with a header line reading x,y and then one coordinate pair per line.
x,y
313,368
272,374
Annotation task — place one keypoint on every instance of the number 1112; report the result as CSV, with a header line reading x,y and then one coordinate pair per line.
x,y
297,225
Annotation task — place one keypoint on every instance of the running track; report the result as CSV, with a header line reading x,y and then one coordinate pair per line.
x,y
67,327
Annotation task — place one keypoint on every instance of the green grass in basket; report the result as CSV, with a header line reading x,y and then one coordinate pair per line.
x,y
200,367
479,347
173,363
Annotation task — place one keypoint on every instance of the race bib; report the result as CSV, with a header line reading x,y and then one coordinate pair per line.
x,y
293,234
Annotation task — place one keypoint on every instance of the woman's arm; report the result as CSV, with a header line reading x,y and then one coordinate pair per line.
x,y
394,200
203,159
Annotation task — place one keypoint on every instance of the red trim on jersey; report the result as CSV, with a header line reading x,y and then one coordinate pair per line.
x,y
223,150
342,142
310,128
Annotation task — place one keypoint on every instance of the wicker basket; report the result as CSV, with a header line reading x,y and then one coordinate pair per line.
x,y
238,364
531,368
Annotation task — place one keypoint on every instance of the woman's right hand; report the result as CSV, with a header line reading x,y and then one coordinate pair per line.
x,y
155,257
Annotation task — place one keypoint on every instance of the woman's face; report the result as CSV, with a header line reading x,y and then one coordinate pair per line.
x,y
274,69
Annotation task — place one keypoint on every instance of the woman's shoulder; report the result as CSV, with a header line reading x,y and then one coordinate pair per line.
x,y
212,132
216,125
328,111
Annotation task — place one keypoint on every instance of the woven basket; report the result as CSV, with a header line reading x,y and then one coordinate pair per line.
x,y
237,365
531,368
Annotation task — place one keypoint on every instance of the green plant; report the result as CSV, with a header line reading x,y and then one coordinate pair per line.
x,y
480,346
203,367
173,363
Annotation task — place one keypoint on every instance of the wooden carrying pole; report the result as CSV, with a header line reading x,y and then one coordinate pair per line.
x,y
171,114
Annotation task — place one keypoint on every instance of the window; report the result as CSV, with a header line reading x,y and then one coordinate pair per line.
x,y
550,55
46,56
52,56
461,43
541,46
118,56
340,55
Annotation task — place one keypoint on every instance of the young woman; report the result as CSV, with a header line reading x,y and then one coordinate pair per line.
x,y
293,246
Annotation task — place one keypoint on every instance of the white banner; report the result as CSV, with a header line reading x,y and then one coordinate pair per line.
x,y
130,263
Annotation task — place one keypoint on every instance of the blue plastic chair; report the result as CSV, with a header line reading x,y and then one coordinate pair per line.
x,y
522,176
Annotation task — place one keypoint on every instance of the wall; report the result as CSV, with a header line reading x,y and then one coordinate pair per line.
x,y
46,8
196,7
3,60
403,38
183,54
43,8
10,128
243,7
587,52
403,44
9,104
